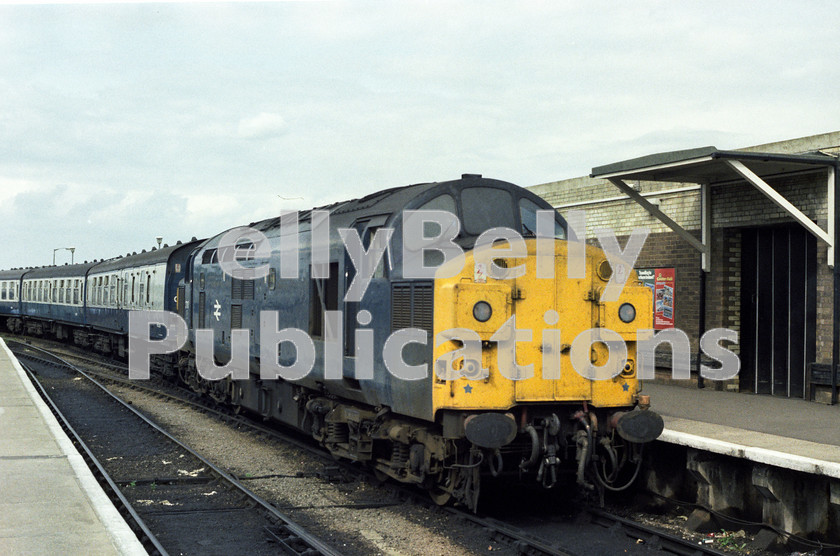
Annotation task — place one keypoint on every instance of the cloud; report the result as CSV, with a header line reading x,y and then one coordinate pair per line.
x,y
176,119
263,126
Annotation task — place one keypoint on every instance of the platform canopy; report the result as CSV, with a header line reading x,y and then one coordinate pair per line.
x,y
709,166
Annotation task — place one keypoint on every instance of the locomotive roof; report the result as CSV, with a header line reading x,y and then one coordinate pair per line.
x,y
390,201
386,201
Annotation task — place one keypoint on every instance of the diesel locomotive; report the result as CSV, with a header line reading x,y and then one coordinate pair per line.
x,y
499,391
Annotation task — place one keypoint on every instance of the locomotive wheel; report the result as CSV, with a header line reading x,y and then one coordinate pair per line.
x,y
440,497
438,491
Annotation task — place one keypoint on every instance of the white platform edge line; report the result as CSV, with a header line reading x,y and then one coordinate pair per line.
x,y
121,534
753,453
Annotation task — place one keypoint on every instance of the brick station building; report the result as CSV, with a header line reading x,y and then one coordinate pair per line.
x,y
753,227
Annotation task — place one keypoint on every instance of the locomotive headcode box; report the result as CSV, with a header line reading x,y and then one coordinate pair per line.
x,y
662,282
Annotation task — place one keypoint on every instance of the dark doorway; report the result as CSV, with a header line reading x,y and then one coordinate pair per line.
x,y
778,309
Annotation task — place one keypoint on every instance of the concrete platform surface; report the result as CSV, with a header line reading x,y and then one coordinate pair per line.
x,y
50,503
786,432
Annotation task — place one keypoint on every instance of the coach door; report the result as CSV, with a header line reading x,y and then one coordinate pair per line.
x,y
778,309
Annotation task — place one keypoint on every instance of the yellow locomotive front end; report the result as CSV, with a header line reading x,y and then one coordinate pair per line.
x,y
539,374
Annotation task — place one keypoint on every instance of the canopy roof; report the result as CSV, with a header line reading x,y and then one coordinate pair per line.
x,y
709,165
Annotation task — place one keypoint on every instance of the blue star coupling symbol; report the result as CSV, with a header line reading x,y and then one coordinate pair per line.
x,y
625,387
468,389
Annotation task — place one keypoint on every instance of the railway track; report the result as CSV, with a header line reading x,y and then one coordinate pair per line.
x,y
524,539
177,500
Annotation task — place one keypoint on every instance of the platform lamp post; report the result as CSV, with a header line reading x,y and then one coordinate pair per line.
x,y
71,249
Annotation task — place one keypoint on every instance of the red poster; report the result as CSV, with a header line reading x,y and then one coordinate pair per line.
x,y
661,281
663,298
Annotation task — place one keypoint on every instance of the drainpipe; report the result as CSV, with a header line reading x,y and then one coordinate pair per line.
x,y
702,325
835,337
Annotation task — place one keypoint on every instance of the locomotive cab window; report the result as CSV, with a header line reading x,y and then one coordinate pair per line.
x,y
445,202
209,257
528,216
441,202
485,208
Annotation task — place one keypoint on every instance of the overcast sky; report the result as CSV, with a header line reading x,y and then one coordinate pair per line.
x,y
122,122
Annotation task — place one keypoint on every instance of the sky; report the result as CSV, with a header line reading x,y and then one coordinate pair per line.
x,y
121,122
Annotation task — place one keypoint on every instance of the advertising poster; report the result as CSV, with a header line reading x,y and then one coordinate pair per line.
x,y
662,282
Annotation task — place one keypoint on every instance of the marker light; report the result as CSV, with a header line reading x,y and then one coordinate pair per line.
x,y
482,311
627,313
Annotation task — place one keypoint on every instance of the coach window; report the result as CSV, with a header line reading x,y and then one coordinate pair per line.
x,y
148,286
3,291
133,284
485,208
272,278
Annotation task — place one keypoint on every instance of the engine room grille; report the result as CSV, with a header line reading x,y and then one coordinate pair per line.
x,y
201,310
412,306
235,316
241,289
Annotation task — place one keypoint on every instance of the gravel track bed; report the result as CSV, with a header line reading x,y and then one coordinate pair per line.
x,y
292,485
185,505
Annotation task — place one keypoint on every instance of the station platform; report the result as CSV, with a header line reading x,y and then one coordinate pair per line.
x,y
50,502
784,432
